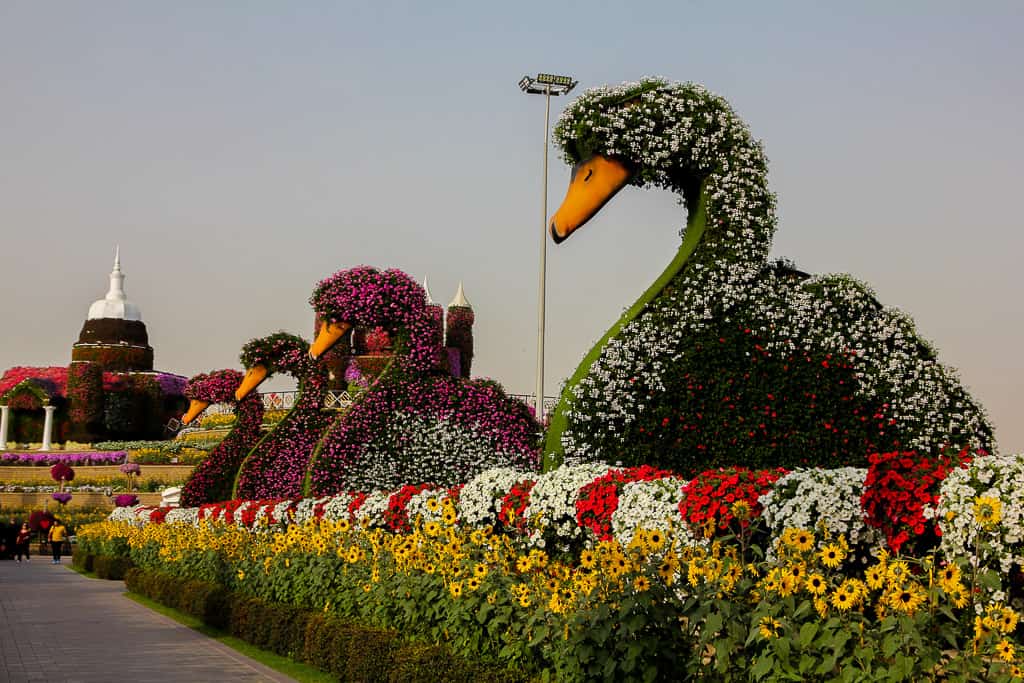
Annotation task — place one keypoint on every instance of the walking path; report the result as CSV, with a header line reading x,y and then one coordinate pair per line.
x,y
56,625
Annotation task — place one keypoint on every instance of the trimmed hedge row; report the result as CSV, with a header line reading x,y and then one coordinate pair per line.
x,y
104,566
350,650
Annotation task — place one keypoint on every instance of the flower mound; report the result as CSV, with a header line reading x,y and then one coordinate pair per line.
x,y
728,498
900,492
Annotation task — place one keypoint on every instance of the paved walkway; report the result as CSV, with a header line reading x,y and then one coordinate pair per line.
x,y
56,625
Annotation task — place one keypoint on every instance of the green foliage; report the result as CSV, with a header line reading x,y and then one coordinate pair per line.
x,y
351,650
733,396
110,567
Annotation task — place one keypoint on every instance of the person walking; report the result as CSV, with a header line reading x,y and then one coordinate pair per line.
x,y
21,542
58,532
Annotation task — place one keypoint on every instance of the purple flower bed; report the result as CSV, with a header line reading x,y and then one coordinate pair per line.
x,y
130,468
46,459
502,423
276,468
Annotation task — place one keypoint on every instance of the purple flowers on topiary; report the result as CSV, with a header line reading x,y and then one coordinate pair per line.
x,y
125,500
366,297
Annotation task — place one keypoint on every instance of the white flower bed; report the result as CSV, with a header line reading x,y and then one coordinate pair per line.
x,y
997,477
820,499
651,505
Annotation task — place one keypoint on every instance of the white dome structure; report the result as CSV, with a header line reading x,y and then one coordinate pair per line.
x,y
115,304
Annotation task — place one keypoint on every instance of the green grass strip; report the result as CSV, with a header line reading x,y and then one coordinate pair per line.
x,y
300,672
553,452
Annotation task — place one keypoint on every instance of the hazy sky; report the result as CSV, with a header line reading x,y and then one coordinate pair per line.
x,y
240,152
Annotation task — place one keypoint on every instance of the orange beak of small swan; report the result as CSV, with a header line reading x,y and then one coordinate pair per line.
x,y
328,337
593,183
252,379
194,408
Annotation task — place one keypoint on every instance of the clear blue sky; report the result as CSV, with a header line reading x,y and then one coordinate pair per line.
x,y
240,152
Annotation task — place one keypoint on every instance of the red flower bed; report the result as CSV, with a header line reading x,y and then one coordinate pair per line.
x,y
708,500
900,486
513,504
599,499
397,514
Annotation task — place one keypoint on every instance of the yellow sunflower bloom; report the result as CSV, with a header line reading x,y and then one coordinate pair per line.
x,y
832,555
769,627
1005,650
988,511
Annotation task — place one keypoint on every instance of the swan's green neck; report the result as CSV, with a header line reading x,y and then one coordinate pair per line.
x,y
695,225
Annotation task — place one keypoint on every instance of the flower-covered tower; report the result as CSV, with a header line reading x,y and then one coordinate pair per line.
x,y
114,335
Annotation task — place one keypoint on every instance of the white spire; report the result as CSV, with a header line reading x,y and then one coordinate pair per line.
x,y
460,298
430,299
115,304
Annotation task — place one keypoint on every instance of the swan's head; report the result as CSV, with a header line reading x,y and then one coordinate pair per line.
x,y
649,133
263,358
367,297
218,386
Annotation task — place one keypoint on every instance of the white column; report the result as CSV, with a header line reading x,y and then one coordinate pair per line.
x,y
47,427
4,411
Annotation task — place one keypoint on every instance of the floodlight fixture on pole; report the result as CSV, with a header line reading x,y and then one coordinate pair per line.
x,y
547,85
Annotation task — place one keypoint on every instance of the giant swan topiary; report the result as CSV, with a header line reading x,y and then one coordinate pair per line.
x,y
213,479
728,357
276,466
415,422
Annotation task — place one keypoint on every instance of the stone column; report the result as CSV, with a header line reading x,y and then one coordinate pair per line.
x,y
4,411
47,427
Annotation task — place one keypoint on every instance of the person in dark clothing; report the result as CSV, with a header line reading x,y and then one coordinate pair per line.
x,y
10,533
21,543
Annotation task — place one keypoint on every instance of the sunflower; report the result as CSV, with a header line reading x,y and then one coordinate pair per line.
x,y
875,576
473,583
588,559
1004,650
949,576
816,584
432,528
480,570
769,627
551,585
523,564
667,571
832,555
455,588
788,584
524,600
988,511
449,516
907,599
1006,619
842,600
433,504
655,540
958,596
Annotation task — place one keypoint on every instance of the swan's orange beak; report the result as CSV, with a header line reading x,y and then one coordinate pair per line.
x,y
593,183
194,408
328,337
252,379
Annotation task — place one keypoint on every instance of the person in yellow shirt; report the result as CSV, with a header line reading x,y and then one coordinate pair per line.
x,y
57,535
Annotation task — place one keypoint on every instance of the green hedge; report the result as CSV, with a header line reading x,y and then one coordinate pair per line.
x,y
108,567
82,559
348,649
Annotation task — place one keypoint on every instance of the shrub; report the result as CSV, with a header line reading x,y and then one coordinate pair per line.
x,y
112,568
82,559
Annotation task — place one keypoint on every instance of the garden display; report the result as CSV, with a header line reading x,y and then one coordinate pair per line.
x,y
755,474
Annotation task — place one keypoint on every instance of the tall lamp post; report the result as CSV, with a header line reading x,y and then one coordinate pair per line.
x,y
547,85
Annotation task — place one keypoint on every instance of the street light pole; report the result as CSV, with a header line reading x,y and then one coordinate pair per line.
x,y
547,85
